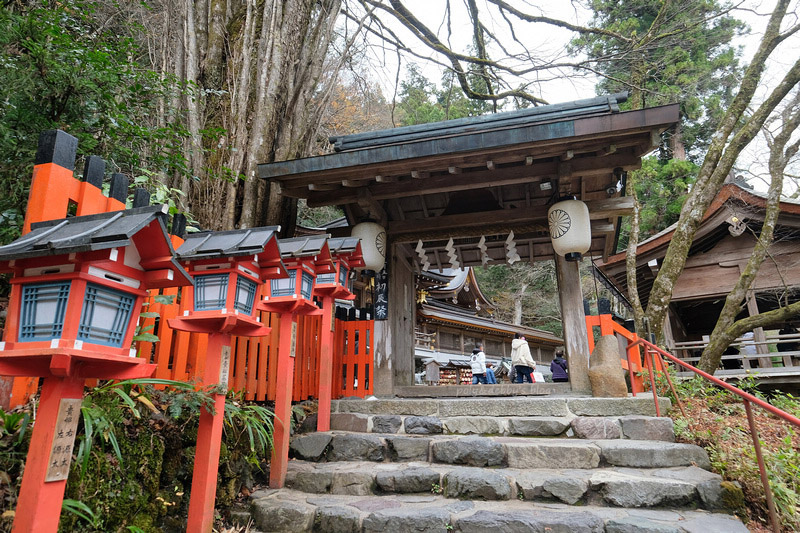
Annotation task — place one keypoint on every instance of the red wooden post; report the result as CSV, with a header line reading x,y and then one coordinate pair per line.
x,y
39,504
283,401
326,364
209,437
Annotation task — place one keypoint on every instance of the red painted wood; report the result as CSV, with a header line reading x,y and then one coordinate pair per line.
x,y
325,382
39,504
209,439
283,407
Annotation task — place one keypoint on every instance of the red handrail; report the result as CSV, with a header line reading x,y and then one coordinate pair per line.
x,y
746,398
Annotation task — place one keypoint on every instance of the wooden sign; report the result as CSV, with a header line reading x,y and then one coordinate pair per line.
x,y
294,339
225,366
333,315
63,439
381,296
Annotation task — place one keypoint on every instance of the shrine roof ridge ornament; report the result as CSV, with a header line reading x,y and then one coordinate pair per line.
x,y
85,233
578,108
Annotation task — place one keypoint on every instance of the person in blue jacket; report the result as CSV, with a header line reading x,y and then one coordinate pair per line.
x,y
559,367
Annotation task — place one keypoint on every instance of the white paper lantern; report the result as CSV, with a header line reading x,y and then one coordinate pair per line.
x,y
373,244
570,229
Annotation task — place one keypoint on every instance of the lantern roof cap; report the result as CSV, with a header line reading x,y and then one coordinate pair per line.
x,y
82,234
304,246
215,244
349,247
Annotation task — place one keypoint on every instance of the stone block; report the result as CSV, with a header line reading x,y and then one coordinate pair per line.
x,y
548,453
647,428
310,447
418,479
605,373
408,448
652,454
349,422
353,483
477,484
528,406
337,519
526,522
423,425
386,423
403,520
542,426
567,489
625,490
355,447
471,451
639,525
425,407
639,405
593,427
312,482
281,516
473,425
727,496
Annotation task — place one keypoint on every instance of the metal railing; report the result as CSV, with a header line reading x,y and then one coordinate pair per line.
x,y
653,358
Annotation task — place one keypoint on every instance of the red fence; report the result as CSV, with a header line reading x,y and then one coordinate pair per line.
x,y
179,355
353,359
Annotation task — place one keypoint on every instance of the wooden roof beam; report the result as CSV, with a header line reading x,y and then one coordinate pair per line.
x,y
371,206
470,180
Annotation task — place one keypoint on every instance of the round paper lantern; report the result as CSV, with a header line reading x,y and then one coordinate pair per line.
x,y
570,230
373,244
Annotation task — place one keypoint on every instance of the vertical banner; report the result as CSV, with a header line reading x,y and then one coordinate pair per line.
x,y
381,296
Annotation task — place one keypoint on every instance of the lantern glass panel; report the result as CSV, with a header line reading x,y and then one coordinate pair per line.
x,y
283,286
342,276
326,279
42,313
210,291
308,285
245,295
105,316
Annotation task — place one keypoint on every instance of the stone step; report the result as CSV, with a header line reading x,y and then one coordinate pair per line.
x,y
514,452
562,406
286,510
610,486
587,427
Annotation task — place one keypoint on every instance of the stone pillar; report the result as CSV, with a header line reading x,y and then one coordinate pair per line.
x,y
574,322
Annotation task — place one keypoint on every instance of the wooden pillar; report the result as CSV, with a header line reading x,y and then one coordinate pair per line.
x,y
326,364
40,499
574,323
758,333
209,437
282,423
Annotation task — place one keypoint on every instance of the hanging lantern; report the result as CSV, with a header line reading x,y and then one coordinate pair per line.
x,y
373,244
570,229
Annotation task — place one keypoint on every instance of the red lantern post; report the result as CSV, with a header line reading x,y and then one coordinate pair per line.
x,y
346,254
227,268
305,258
77,288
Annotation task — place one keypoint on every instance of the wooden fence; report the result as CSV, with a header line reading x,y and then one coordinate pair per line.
x,y
179,354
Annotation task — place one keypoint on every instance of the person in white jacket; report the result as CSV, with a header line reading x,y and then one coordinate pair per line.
x,y
478,363
521,359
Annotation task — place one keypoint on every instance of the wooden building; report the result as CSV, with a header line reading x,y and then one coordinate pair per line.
x,y
453,316
721,248
476,191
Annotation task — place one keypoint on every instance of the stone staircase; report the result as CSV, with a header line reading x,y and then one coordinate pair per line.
x,y
565,464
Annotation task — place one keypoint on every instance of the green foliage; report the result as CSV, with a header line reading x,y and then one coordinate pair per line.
x,y
661,187
81,510
14,441
251,420
684,56
64,65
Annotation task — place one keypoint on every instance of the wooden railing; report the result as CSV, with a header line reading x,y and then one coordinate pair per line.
x,y
353,359
763,360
